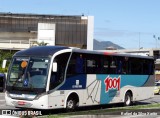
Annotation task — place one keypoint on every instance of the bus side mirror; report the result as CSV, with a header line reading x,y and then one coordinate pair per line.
x,y
4,63
54,67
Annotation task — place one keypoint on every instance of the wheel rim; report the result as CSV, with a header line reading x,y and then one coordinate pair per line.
x,y
70,104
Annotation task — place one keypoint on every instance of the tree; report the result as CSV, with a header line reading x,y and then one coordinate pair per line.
x,y
5,55
42,43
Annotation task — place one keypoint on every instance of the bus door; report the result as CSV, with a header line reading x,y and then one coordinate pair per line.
x,y
57,78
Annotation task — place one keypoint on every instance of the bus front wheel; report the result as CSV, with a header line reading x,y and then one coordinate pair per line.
x,y
71,104
128,99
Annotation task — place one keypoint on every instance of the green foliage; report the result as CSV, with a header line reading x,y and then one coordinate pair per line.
x,y
5,54
40,43
3,70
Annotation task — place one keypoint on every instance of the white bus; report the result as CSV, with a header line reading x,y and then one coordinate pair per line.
x,y
52,77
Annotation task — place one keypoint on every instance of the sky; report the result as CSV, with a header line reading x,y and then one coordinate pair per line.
x,y
128,23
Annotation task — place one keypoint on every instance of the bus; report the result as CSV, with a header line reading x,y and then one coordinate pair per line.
x,y
53,77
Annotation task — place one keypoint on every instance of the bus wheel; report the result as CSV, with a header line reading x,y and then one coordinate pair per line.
x,y
71,104
128,99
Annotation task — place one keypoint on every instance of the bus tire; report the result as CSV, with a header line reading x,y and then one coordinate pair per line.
x,y
128,99
71,104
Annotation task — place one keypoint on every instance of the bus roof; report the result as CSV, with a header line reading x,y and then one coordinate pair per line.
x,y
40,51
50,50
110,53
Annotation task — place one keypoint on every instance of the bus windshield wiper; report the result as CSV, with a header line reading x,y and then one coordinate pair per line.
x,y
15,83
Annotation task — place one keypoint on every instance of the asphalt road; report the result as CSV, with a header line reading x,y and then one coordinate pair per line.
x,y
156,99
3,104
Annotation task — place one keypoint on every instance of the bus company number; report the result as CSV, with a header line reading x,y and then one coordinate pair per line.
x,y
112,83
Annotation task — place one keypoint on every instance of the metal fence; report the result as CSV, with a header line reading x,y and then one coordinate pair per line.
x,y
16,44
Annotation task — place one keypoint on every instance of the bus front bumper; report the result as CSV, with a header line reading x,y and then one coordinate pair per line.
x,y
41,103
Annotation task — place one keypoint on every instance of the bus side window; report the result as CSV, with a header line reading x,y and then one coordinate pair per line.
x,y
125,65
136,66
100,67
113,67
122,65
71,70
79,64
147,67
106,66
119,67
150,64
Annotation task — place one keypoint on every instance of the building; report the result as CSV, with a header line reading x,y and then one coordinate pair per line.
x,y
20,31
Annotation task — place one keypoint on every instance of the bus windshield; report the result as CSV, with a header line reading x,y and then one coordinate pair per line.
x,y
28,73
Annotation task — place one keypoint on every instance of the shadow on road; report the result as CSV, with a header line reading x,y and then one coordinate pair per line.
x,y
89,108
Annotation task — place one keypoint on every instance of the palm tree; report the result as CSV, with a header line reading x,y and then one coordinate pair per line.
x,y
42,43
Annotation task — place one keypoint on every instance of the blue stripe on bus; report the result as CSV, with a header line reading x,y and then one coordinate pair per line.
x,y
75,82
110,84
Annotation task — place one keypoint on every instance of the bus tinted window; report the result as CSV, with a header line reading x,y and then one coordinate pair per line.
x,y
102,64
148,67
140,66
81,63
71,66
94,64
